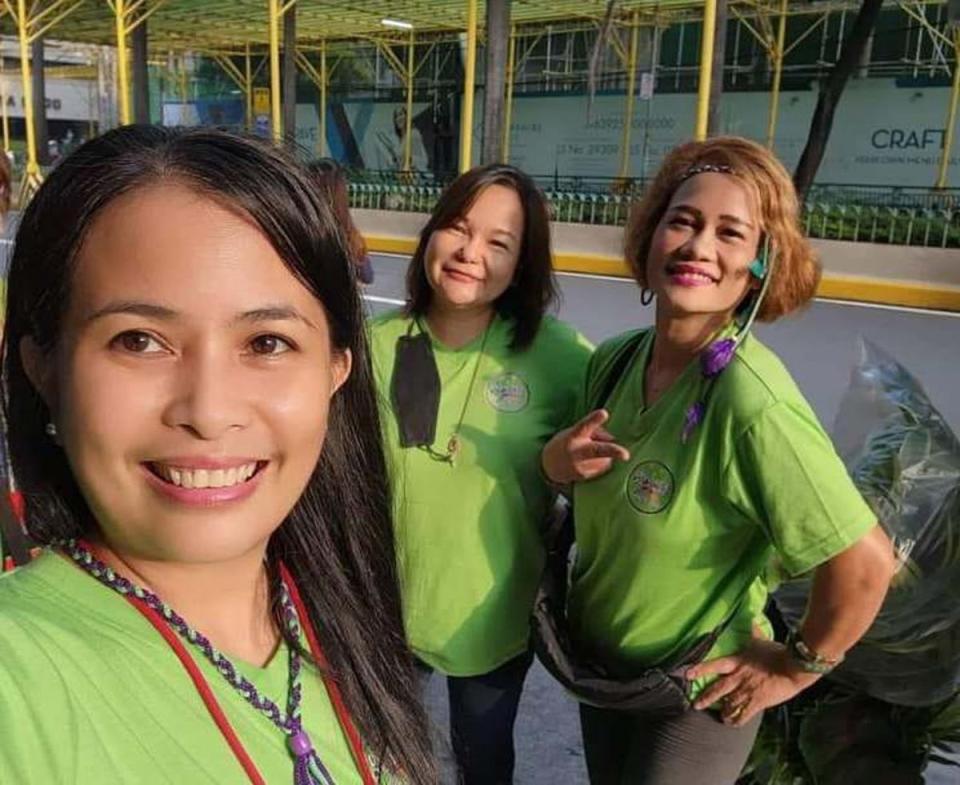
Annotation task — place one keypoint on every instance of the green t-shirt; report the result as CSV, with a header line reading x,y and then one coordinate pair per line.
x,y
468,534
670,542
90,693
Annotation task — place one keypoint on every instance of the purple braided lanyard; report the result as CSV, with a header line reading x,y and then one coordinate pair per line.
x,y
308,769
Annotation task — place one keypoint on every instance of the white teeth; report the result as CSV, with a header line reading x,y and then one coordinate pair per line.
x,y
206,478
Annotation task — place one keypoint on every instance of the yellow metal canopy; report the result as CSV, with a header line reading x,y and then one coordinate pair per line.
x,y
230,25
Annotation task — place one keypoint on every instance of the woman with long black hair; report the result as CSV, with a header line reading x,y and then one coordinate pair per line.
x,y
475,375
194,427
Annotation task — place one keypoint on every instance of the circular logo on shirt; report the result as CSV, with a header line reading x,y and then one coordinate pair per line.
x,y
507,392
650,487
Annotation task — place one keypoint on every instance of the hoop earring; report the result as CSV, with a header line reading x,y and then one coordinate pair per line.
x,y
646,296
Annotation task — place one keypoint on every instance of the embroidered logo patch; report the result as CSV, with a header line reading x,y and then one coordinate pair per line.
x,y
650,487
507,393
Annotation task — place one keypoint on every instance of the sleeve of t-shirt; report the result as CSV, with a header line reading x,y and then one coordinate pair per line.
x,y
577,361
785,474
37,722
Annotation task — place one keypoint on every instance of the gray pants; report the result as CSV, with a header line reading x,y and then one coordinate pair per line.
x,y
692,749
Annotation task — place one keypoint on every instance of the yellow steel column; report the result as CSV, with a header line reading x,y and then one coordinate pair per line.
x,y
408,129
508,101
951,114
469,84
273,9
33,168
631,88
248,87
123,74
3,110
777,75
706,67
323,99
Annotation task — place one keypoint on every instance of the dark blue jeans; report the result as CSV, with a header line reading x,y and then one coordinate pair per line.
x,y
483,710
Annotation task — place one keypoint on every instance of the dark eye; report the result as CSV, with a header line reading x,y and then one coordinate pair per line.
x,y
269,345
680,220
137,342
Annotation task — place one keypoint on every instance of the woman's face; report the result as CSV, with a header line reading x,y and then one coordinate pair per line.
x,y
702,248
192,381
471,263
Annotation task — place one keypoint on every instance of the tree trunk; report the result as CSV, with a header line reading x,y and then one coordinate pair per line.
x,y
498,43
40,127
289,78
830,93
716,78
141,75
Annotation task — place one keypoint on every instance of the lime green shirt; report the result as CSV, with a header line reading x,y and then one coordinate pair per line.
x,y
670,541
468,534
90,693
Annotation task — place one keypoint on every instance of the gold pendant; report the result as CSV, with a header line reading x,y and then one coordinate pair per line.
x,y
453,447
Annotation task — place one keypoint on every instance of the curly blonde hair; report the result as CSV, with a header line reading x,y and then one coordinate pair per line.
x,y
797,271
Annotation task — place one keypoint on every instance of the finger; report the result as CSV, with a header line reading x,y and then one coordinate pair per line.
x,y
717,691
603,435
588,470
745,713
720,666
590,423
592,450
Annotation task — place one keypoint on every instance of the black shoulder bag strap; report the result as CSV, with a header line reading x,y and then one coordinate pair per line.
x,y
15,542
559,533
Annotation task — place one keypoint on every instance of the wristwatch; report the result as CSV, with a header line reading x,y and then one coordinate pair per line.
x,y
808,659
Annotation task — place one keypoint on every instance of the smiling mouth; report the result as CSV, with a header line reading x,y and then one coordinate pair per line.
x,y
688,271
183,477
460,274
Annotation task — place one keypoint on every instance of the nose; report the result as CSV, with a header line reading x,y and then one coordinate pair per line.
x,y
208,398
699,246
471,249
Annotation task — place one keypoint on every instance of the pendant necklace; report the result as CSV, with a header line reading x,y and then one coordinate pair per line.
x,y
308,768
453,443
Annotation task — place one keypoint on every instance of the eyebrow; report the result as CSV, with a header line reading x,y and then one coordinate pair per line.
x,y
269,313
724,216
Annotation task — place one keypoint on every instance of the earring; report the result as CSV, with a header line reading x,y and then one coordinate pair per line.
x,y
646,296
758,268
51,430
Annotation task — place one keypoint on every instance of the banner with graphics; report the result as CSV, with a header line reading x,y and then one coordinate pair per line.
x,y
882,134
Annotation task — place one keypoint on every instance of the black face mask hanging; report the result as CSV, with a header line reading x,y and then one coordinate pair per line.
x,y
415,390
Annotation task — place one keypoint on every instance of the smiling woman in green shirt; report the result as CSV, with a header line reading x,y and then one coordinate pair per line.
x,y
706,462
193,423
474,378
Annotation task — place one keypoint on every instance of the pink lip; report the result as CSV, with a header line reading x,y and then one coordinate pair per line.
x,y
203,497
690,275
459,275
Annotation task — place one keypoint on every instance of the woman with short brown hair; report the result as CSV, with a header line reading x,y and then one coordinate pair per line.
x,y
706,462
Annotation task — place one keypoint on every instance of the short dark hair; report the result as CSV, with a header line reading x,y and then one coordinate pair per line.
x,y
337,540
534,288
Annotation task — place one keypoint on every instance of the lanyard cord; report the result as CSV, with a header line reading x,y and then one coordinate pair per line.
x,y
333,691
217,713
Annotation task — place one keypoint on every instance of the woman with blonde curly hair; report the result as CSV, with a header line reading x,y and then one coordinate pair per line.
x,y
706,462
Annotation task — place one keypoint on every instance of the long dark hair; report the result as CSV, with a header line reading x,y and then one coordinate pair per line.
x,y
332,179
338,539
534,289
